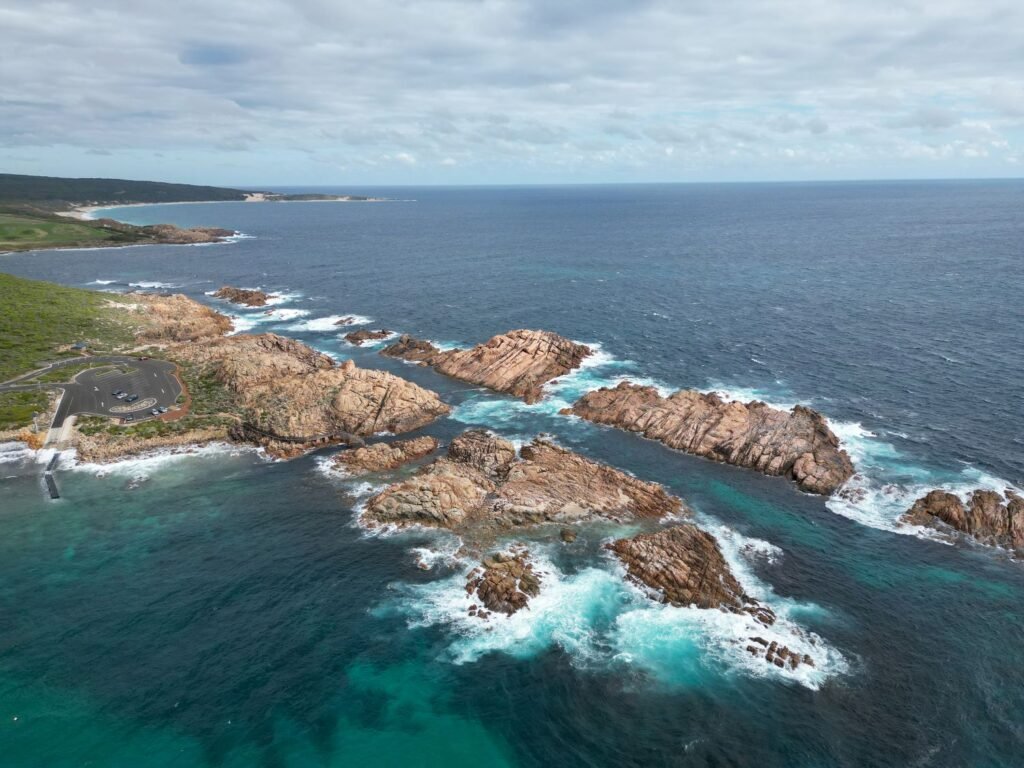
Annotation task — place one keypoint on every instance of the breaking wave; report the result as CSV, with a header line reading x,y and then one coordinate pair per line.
x,y
600,620
330,323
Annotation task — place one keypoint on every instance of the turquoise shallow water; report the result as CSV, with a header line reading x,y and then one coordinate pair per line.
x,y
222,610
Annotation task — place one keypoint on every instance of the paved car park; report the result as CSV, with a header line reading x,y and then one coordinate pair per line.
x,y
92,391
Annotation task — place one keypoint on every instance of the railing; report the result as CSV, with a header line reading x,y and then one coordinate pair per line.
x,y
325,437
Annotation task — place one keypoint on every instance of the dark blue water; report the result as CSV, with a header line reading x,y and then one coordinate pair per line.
x,y
221,610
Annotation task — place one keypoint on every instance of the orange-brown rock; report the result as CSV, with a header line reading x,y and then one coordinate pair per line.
x,y
797,444
987,516
684,566
408,348
504,583
518,362
291,397
246,296
380,457
175,235
481,484
358,337
175,318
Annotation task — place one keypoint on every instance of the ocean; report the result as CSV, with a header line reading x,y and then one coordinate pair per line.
x,y
221,609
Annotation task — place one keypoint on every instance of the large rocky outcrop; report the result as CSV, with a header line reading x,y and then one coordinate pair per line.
x,y
504,583
797,444
291,397
481,484
986,516
517,363
175,318
384,456
248,297
684,566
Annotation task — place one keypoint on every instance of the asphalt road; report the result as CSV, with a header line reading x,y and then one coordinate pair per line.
x,y
92,391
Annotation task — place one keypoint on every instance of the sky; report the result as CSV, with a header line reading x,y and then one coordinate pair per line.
x,y
338,92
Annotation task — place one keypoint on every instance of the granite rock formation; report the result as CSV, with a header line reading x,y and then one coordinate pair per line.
x,y
518,363
245,296
291,397
384,456
481,484
797,444
987,516
176,318
504,583
358,337
684,566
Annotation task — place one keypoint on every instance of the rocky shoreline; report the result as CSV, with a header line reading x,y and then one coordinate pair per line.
x,y
797,444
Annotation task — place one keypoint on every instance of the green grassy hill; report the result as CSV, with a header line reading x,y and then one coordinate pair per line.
x,y
37,319
21,231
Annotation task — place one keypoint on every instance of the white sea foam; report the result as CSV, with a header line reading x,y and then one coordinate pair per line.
x,y
598,618
282,297
443,551
888,483
748,394
14,452
242,323
145,464
599,369
280,315
330,323
102,282
371,342
153,284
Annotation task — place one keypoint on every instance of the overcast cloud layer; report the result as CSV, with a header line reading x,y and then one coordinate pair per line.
x,y
494,91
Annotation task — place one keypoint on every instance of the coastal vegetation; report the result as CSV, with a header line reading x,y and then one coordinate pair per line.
x,y
40,321
20,230
57,193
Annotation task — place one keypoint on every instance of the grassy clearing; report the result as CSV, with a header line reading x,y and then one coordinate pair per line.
x,y
21,232
68,372
16,408
37,319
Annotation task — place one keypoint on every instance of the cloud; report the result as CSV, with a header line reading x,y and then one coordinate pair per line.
x,y
514,91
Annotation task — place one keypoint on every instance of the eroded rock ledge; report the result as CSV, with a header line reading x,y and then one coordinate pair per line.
x,y
481,484
245,296
384,456
504,583
797,444
684,566
987,516
286,392
518,362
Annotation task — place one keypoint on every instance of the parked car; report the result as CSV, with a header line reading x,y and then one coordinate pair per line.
x,y
128,418
131,398
154,411
162,409
120,394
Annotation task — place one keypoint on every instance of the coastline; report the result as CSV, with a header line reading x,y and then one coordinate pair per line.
x,y
85,212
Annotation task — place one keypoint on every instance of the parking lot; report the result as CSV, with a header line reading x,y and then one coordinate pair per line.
x,y
153,381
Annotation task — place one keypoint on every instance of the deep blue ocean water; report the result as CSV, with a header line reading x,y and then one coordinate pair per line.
x,y
223,610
